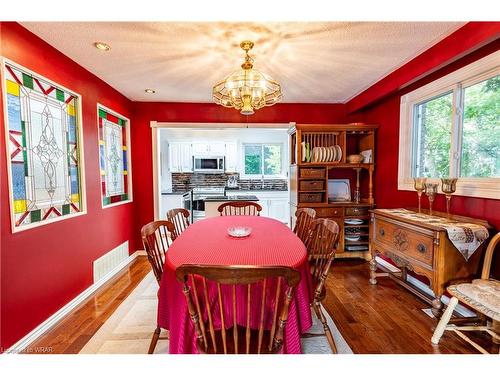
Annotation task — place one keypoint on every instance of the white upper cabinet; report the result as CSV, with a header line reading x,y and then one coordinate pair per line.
x,y
209,148
180,157
231,157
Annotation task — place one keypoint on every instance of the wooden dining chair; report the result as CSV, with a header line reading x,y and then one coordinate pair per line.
x,y
321,246
482,295
155,238
180,218
239,208
230,281
303,221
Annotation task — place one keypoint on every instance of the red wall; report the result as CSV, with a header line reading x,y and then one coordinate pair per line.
x,y
44,268
385,112
205,112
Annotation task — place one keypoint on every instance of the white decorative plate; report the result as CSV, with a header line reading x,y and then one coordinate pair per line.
x,y
353,221
334,153
330,154
354,237
239,231
338,152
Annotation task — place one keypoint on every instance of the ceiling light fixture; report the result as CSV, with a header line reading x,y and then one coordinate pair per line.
x,y
247,89
149,91
102,46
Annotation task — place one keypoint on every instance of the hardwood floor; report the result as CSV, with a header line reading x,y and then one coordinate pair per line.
x,y
384,318
71,334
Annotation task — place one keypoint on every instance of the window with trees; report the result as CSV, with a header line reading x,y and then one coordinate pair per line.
x,y
262,160
451,128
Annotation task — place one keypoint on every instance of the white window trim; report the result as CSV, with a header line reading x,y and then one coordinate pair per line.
x,y
478,71
261,176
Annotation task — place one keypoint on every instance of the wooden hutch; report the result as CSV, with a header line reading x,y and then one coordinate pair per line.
x,y
309,180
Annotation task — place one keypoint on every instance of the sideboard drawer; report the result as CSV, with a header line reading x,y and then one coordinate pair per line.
x,y
328,212
356,211
404,241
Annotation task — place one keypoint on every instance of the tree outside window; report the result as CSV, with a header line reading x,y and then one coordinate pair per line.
x,y
477,152
263,159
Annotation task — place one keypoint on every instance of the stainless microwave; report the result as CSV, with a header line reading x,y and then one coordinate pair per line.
x,y
210,164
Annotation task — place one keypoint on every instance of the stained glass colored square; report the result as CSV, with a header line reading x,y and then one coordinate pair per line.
x,y
18,181
113,157
36,215
44,148
14,112
65,209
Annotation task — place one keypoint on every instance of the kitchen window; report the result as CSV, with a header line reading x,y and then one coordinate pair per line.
x,y
451,127
262,160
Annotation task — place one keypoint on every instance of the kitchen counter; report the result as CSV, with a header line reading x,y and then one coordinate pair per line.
x,y
256,190
170,192
212,203
226,198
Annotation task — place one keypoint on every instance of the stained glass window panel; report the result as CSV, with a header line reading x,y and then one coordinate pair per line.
x,y
113,157
44,149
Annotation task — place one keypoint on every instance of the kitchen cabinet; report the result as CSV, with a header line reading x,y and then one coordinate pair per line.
x,y
275,204
231,157
211,148
169,201
180,157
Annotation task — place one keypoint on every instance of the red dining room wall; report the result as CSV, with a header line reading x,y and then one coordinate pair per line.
x,y
44,268
144,113
381,104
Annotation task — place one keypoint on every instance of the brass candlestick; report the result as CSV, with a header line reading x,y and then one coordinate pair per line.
x,y
431,191
419,184
449,186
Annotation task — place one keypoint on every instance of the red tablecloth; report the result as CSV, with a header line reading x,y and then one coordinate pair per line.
x,y
207,242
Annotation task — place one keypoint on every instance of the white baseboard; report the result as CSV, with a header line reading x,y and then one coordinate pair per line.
x,y
462,310
22,344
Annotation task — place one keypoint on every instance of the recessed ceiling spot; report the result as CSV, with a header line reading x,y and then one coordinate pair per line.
x,y
102,46
149,91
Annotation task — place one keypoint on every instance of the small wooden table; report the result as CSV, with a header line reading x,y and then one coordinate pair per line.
x,y
422,248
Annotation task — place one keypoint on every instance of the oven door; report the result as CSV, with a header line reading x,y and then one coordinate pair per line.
x,y
188,204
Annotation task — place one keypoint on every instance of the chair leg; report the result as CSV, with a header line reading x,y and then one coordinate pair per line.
x,y
443,322
495,326
154,340
328,333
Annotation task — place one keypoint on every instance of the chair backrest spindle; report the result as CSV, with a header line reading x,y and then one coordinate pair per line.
x,y
155,238
226,282
239,208
179,217
305,217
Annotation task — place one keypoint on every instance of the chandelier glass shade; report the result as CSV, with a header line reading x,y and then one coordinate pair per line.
x,y
247,89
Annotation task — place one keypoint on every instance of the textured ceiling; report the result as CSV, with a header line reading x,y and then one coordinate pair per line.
x,y
314,62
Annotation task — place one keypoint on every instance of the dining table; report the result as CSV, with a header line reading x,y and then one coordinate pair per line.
x,y
207,242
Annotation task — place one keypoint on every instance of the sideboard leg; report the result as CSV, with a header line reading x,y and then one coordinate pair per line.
x,y
373,271
437,306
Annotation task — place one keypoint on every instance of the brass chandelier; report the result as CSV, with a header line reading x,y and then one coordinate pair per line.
x,y
247,89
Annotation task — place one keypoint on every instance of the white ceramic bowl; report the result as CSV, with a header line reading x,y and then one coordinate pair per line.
x,y
239,231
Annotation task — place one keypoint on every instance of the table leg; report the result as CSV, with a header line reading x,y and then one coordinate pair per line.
x,y
373,271
437,306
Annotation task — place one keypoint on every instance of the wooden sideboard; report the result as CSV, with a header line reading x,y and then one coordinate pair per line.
x,y
422,248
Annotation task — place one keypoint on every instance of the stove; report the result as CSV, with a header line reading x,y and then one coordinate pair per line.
x,y
197,200
209,190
